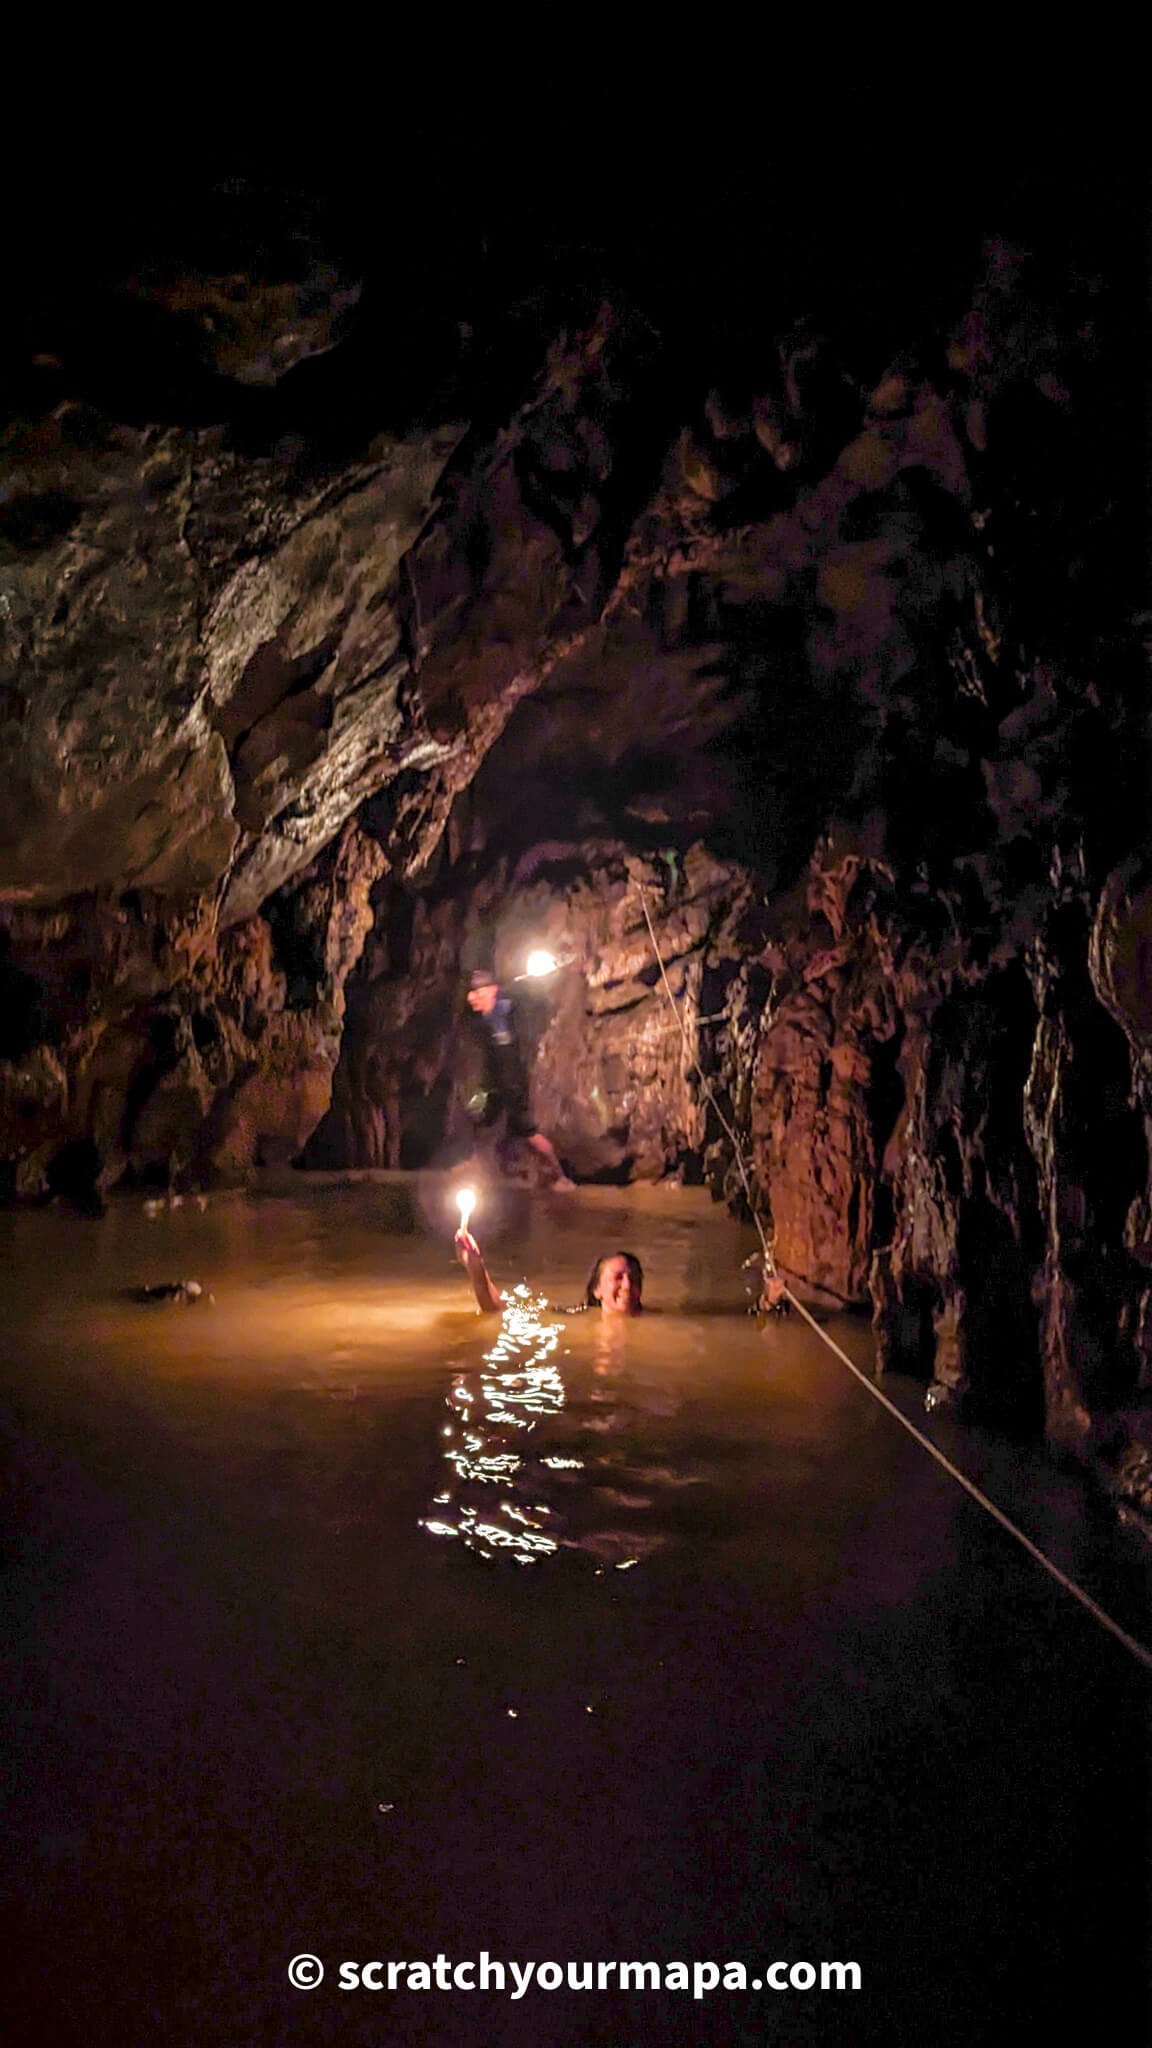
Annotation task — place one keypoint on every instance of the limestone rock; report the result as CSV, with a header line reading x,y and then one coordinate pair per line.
x,y
328,659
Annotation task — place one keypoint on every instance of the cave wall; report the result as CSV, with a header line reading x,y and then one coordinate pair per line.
x,y
327,656
145,1044
203,654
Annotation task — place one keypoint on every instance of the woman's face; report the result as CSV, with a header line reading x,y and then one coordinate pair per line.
x,y
617,1291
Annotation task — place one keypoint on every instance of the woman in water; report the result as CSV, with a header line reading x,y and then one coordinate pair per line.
x,y
615,1284
542,1454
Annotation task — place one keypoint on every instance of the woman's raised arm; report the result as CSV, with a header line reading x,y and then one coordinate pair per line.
x,y
488,1298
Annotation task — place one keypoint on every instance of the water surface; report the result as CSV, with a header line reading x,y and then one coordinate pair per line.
x,y
326,1631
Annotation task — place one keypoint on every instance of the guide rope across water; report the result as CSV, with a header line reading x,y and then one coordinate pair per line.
x,y
1138,1650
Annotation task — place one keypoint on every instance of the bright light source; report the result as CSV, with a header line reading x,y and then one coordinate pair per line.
x,y
465,1202
538,964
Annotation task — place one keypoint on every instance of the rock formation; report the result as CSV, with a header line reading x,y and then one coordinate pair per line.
x,y
810,627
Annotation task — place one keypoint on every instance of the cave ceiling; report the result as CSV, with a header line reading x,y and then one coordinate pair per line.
x,y
692,529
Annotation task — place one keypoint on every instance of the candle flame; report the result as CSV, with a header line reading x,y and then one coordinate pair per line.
x,y
465,1202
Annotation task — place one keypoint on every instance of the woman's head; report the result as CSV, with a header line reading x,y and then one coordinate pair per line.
x,y
615,1284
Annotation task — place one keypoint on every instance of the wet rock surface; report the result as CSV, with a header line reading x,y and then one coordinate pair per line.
x,y
147,1046
612,1055
335,657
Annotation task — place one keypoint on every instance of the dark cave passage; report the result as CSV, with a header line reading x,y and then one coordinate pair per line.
x,y
729,574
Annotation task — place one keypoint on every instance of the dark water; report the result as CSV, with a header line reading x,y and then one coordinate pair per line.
x,y
327,1632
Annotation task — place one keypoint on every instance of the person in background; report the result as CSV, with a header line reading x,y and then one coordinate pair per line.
x,y
505,1076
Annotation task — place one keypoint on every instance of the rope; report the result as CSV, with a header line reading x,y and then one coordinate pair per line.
x,y
1142,1655
1062,1579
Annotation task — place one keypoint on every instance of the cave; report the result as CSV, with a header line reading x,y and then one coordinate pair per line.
x,y
744,607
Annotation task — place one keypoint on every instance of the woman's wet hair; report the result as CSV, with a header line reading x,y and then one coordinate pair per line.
x,y
635,1274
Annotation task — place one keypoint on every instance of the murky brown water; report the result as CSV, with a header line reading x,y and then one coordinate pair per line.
x,y
329,1631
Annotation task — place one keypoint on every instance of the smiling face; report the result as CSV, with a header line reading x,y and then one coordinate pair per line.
x,y
618,1285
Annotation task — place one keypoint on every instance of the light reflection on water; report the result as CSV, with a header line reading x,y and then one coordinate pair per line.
x,y
314,1384
519,1382
339,1319
250,1686
549,1451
